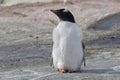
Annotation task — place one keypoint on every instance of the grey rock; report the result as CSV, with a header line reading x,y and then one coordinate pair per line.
x,y
1,1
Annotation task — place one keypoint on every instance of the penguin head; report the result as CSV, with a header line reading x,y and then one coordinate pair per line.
x,y
64,15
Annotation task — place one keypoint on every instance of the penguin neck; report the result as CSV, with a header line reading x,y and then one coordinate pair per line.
x,y
70,20
65,23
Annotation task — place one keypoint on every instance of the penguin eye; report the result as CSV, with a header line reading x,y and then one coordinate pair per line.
x,y
65,10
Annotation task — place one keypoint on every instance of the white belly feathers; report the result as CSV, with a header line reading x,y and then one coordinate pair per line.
x,y
67,46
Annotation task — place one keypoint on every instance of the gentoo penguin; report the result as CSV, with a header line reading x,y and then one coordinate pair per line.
x,y
68,52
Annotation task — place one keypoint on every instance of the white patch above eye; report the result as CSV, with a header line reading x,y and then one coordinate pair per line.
x,y
65,10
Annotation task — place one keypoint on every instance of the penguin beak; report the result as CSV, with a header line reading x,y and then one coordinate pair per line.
x,y
54,11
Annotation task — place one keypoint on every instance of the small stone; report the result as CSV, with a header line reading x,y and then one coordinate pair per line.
x,y
31,36
112,37
36,37
11,64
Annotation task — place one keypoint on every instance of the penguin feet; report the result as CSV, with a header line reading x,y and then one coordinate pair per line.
x,y
62,70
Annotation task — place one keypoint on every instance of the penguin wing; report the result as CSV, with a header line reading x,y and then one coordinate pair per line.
x,y
83,45
51,61
55,43
79,30
84,53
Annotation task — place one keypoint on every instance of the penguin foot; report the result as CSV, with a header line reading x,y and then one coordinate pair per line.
x,y
62,70
65,70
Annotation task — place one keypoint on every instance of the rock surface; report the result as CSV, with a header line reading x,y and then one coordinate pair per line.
x,y
26,41
31,62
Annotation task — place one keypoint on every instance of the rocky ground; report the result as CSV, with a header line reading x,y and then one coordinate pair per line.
x,y
26,40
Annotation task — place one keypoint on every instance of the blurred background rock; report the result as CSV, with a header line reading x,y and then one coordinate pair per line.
x,y
11,2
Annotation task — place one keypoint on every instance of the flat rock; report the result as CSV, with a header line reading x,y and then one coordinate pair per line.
x,y
32,62
26,38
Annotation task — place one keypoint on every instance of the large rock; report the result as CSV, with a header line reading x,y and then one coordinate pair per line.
x,y
12,2
1,1
111,22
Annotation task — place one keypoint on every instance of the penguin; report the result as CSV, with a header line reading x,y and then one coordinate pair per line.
x,y
68,51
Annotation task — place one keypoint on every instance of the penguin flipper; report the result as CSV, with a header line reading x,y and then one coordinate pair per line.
x,y
51,61
84,54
